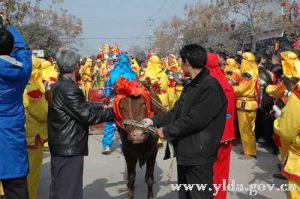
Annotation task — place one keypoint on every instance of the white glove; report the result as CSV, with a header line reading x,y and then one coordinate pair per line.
x,y
261,82
287,93
277,111
147,122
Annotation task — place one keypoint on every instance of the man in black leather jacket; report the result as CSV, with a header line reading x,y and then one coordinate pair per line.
x,y
69,117
195,125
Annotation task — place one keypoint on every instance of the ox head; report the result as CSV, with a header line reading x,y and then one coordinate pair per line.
x,y
134,108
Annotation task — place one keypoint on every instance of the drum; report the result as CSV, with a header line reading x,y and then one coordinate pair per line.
x,y
96,95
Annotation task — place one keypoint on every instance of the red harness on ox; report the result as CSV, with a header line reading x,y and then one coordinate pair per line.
x,y
125,88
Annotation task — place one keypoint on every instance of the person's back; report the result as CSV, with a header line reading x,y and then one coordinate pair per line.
x,y
14,74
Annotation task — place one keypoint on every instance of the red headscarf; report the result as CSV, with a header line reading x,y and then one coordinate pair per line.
x,y
216,72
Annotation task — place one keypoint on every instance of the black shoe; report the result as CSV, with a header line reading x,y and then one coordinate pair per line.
x,y
279,176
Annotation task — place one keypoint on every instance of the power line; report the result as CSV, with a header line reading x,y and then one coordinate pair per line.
x,y
171,6
112,38
158,10
113,21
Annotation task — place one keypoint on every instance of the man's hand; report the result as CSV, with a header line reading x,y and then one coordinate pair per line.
x,y
48,85
159,133
147,122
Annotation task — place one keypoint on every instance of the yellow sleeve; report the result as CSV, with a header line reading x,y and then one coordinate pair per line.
x,y
288,124
35,107
243,87
38,109
25,99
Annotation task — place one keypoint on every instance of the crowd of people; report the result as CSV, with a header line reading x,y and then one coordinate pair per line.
x,y
211,100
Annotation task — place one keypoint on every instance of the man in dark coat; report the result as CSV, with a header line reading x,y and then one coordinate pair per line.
x,y
195,125
69,117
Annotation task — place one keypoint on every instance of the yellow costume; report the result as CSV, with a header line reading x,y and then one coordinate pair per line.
x,y
36,109
86,77
232,71
277,92
288,124
288,127
174,90
246,104
48,72
135,67
157,75
1,190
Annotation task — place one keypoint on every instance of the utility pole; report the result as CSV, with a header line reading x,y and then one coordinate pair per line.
x,y
149,23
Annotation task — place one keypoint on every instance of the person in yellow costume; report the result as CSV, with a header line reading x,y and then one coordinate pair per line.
x,y
174,90
155,73
36,110
80,82
246,105
280,91
48,72
287,125
232,71
1,190
135,67
86,77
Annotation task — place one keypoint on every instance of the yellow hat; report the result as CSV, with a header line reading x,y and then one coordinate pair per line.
x,y
249,56
36,62
248,64
172,56
232,63
290,64
275,91
88,62
154,60
288,55
135,66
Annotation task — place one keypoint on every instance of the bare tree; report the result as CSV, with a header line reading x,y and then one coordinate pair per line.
x,y
257,14
167,36
204,23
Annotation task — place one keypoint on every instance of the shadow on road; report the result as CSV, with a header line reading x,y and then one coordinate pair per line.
x,y
102,188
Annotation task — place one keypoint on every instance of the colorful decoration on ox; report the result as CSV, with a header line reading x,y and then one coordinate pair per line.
x,y
126,88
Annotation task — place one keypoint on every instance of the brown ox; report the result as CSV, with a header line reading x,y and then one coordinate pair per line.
x,y
132,103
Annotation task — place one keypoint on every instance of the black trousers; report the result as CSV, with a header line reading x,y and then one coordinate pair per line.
x,y
15,188
67,177
196,175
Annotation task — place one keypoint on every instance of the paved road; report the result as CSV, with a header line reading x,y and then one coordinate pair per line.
x,y
104,175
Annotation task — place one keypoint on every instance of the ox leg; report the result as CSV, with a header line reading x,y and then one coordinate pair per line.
x,y
131,164
150,174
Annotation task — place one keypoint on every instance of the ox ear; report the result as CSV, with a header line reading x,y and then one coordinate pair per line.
x,y
147,84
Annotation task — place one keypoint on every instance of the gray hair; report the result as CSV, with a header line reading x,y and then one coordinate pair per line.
x,y
67,60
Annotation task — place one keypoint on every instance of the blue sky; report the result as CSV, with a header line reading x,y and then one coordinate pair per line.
x,y
121,21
